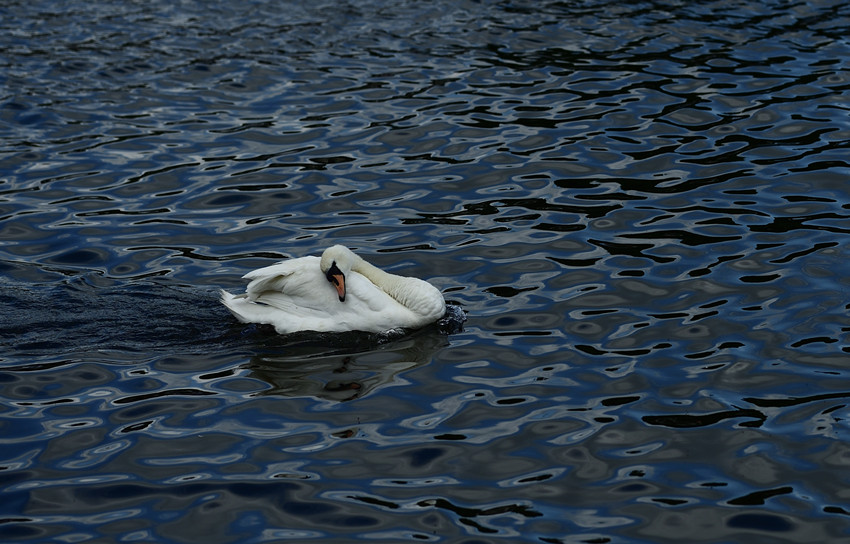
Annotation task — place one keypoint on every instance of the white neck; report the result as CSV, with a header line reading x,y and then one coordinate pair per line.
x,y
418,296
389,283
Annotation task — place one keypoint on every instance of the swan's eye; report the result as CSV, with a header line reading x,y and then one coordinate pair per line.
x,y
333,274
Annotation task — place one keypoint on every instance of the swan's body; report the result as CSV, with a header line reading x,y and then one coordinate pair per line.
x,y
335,293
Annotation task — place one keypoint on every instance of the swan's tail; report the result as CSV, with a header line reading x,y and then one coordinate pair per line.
x,y
247,310
236,304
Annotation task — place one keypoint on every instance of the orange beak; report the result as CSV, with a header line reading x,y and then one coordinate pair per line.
x,y
339,282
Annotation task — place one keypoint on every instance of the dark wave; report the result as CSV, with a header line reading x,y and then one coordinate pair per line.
x,y
641,212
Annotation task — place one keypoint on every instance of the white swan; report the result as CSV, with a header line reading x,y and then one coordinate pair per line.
x,y
339,292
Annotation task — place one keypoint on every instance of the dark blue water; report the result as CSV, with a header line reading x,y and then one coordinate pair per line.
x,y
644,211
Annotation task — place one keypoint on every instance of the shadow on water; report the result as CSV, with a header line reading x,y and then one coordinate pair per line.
x,y
344,366
311,369
76,315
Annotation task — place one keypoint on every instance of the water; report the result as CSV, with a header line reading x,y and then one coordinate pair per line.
x,y
642,209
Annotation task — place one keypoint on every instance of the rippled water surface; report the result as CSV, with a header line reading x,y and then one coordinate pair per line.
x,y
643,209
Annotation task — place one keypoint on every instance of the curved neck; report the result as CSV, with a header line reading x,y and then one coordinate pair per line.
x,y
386,281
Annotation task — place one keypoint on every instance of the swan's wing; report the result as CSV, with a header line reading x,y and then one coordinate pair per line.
x,y
296,287
291,296
286,277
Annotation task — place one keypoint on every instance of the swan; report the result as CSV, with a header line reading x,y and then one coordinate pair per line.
x,y
338,292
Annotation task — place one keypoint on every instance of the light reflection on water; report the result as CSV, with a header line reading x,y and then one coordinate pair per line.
x,y
642,209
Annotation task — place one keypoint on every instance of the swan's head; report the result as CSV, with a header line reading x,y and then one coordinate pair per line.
x,y
336,262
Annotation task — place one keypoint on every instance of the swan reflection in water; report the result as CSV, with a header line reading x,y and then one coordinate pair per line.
x,y
310,369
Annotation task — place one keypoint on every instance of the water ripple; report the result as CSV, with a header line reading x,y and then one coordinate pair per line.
x,y
641,208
